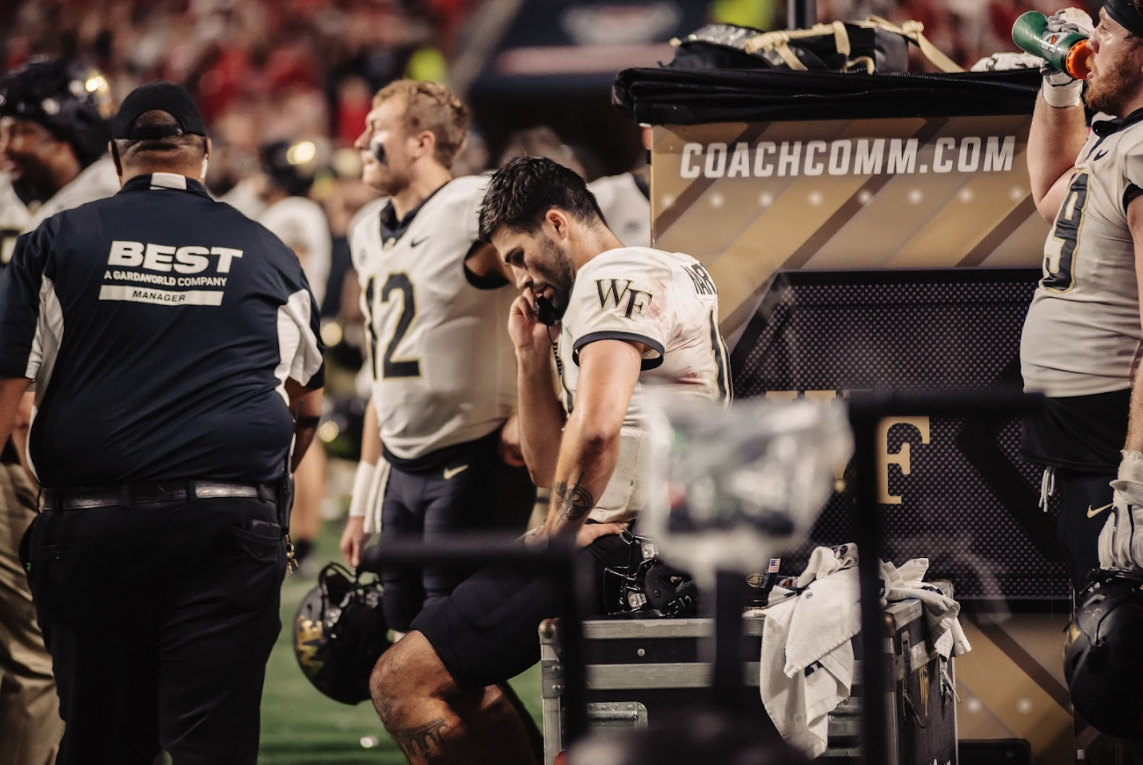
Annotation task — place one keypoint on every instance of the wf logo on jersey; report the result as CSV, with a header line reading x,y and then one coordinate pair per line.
x,y
619,293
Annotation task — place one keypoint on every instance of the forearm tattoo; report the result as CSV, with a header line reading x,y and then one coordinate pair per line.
x,y
572,501
424,743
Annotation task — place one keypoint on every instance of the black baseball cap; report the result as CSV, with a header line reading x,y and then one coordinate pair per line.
x,y
163,96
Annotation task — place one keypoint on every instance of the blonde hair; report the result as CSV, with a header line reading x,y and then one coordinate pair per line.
x,y
431,106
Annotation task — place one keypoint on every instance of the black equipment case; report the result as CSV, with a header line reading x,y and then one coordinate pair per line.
x,y
637,669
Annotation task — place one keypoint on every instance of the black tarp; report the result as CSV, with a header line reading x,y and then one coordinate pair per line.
x,y
666,96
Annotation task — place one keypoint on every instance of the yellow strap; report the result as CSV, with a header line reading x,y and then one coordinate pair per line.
x,y
773,40
914,30
779,42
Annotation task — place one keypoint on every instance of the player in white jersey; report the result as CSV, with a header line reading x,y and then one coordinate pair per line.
x,y
628,318
439,424
1081,347
54,131
1082,336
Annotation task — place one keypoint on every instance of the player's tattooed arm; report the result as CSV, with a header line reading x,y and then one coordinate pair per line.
x,y
572,502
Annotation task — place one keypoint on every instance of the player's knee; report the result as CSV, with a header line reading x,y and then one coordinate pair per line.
x,y
383,686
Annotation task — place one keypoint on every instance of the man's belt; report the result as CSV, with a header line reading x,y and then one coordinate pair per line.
x,y
150,493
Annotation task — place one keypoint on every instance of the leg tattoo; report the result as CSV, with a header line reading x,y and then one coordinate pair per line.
x,y
423,743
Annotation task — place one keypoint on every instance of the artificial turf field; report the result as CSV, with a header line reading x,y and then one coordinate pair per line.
x,y
302,727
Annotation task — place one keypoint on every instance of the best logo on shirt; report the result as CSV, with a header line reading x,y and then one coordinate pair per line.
x,y
166,266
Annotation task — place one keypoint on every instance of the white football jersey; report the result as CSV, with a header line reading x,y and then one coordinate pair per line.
x,y
1082,334
96,181
666,301
443,365
626,208
301,224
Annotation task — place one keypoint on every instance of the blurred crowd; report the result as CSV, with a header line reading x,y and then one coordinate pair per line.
x,y
274,74
268,70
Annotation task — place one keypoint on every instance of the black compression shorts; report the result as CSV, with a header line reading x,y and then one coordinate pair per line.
x,y
486,631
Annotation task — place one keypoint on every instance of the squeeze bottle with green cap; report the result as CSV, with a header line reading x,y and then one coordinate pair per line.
x,y
1066,51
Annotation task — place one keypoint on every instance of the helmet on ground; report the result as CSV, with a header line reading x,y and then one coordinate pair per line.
x,y
1103,654
68,97
339,633
647,585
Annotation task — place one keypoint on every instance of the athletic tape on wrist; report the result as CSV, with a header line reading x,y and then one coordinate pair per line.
x,y
1063,96
362,483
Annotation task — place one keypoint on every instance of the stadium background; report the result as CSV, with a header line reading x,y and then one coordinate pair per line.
x,y
304,70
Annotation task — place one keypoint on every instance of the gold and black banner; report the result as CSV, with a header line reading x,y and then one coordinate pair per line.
x,y
750,199
882,254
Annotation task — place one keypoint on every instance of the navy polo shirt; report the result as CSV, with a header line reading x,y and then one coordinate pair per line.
x,y
159,327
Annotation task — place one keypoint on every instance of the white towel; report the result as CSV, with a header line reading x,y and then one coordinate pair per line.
x,y
376,496
826,560
807,657
807,653
941,611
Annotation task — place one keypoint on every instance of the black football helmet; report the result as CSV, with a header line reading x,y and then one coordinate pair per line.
x,y
290,166
67,96
646,585
339,633
1103,653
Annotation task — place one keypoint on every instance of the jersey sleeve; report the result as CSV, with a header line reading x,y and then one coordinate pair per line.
x,y
21,290
1133,171
299,331
622,295
471,198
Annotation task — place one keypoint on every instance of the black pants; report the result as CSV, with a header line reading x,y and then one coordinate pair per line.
x,y
1085,504
473,491
159,619
486,631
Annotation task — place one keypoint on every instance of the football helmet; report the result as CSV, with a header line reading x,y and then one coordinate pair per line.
x,y
290,166
1103,653
339,633
69,97
647,585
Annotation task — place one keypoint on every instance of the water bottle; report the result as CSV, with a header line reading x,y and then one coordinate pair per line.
x,y
1066,51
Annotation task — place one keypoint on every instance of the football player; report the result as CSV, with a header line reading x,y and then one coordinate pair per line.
x,y
440,437
1081,347
625,318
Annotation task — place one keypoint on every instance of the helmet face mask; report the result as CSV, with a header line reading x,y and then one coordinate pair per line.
x,y
1103,654
68,97
646,585
339,633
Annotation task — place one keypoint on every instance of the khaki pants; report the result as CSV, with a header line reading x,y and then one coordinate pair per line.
x,y
30,724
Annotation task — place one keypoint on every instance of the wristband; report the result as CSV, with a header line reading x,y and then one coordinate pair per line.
x,y
1063,96
362,483
1131,467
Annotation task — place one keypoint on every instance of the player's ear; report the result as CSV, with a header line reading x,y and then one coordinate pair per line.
x,y
558,221
426,143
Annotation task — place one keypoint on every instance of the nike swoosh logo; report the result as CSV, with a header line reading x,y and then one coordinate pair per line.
x,y
1101,154
450,472
416,243
1090,513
